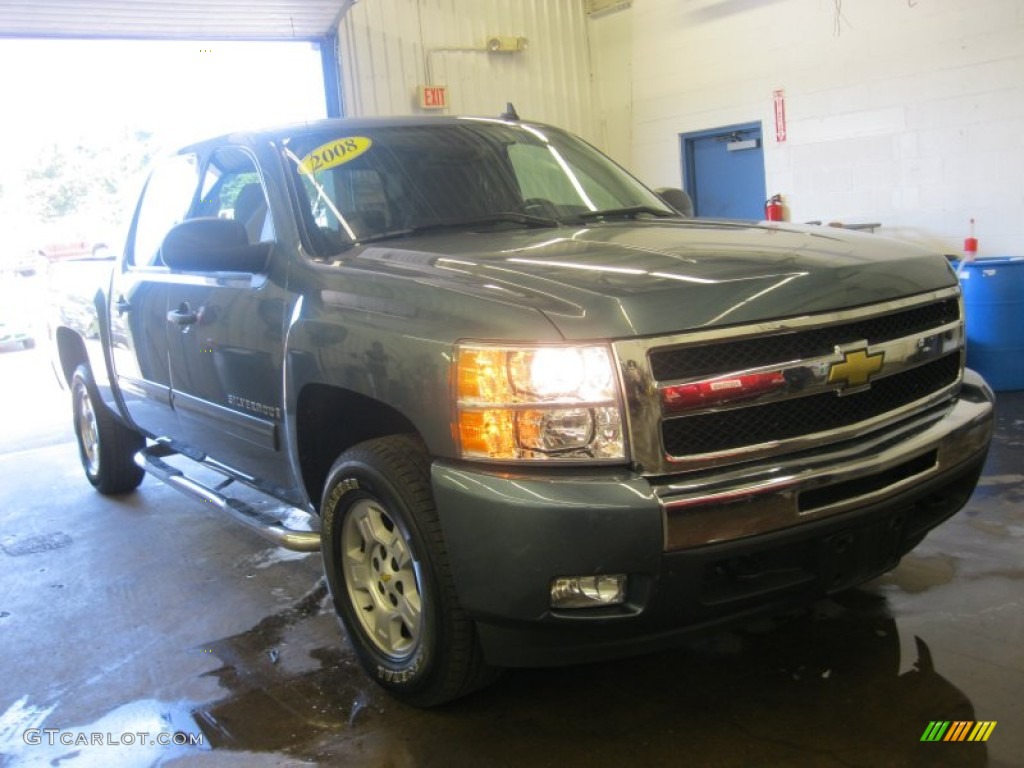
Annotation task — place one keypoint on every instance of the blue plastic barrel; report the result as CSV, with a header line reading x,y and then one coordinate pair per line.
x,y
993,291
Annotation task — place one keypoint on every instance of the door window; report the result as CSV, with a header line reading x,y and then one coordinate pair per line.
x,y
232,189
165,202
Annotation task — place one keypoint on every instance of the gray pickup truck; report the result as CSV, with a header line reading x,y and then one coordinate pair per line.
x,y
533,414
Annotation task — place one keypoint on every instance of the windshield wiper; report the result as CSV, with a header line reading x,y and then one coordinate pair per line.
x,y
630,212
432,226
500,217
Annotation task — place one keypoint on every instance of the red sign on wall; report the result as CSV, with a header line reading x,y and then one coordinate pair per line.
x,y
780,115
434,97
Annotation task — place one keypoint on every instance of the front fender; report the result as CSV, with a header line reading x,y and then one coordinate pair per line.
x,y
389,338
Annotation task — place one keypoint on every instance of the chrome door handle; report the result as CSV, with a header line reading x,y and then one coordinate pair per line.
x,y
183,315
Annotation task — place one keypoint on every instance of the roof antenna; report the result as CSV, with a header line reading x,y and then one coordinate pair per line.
x,y
510,112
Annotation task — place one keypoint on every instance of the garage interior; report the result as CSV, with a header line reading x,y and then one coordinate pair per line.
x,y
126,614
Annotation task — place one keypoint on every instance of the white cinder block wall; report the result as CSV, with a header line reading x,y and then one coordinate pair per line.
x,y
905,112
388,48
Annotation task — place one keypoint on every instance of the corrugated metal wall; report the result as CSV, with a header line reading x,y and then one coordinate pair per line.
x,y
388,48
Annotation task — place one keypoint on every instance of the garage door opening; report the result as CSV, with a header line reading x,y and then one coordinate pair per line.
x,y
85,116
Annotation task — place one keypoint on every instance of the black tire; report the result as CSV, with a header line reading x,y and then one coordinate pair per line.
x,y
106,447
390,578
28,343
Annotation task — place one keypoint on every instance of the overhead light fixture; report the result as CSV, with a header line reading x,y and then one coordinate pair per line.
x,y
502,44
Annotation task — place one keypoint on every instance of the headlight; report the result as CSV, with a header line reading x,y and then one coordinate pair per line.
x,y
538,403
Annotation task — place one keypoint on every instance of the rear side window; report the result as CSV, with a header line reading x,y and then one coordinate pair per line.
x,y
165,202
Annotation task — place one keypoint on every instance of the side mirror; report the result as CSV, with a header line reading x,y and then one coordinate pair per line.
x,y
212,245
677,199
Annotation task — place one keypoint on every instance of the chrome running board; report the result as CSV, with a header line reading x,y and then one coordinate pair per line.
x,y
265,523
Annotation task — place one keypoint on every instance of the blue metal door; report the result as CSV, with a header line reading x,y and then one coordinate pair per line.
x,y
723,170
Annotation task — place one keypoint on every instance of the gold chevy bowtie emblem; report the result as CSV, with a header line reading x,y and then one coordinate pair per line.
x,y
856,369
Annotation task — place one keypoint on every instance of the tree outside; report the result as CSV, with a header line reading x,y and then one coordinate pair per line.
x,y
83,191
83,118
87,178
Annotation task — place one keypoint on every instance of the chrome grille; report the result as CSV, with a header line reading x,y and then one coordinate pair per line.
x,y
812,399
724,357
754,425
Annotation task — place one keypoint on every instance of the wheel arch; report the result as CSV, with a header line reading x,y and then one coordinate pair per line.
x,y
71,353
329,421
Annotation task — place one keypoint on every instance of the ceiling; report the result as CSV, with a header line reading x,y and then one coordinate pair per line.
x,y
172,19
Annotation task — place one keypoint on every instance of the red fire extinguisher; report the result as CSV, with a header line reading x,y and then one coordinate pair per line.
x,y
773,208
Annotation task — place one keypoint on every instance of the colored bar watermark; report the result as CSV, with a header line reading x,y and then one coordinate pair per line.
x,y
958,730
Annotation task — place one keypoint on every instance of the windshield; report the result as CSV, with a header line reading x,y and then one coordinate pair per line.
x,y
394,181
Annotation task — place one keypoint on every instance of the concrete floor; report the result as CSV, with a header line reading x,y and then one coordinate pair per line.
x,y
150,613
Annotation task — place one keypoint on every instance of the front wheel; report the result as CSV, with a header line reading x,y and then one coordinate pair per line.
x,y
106,447
390,578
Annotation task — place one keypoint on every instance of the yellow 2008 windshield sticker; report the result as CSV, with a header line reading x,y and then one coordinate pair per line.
x,y
334,153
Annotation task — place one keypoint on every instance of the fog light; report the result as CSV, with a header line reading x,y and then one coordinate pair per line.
x,y
588,591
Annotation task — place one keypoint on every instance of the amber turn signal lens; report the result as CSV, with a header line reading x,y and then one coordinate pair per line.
x,y
487,434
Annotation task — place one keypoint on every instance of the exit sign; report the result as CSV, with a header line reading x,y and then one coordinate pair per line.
x,y
434,97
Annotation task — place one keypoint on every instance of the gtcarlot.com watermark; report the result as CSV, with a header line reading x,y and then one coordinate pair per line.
x,y
56,736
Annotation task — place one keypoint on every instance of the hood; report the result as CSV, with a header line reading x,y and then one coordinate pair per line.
x,y
648,278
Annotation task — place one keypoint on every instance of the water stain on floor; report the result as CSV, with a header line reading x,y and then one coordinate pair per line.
x,y
35,544
270,708
917,573
740,689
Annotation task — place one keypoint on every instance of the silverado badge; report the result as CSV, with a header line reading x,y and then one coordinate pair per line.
x,y
856,369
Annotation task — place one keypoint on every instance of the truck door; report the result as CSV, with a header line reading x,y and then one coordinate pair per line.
x,y
226,334
138,297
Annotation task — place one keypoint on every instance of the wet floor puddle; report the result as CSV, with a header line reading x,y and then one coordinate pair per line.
x,y
836,668
271,709
918,573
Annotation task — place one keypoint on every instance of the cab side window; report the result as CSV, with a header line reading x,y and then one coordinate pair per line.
x,y
165,202
232,189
